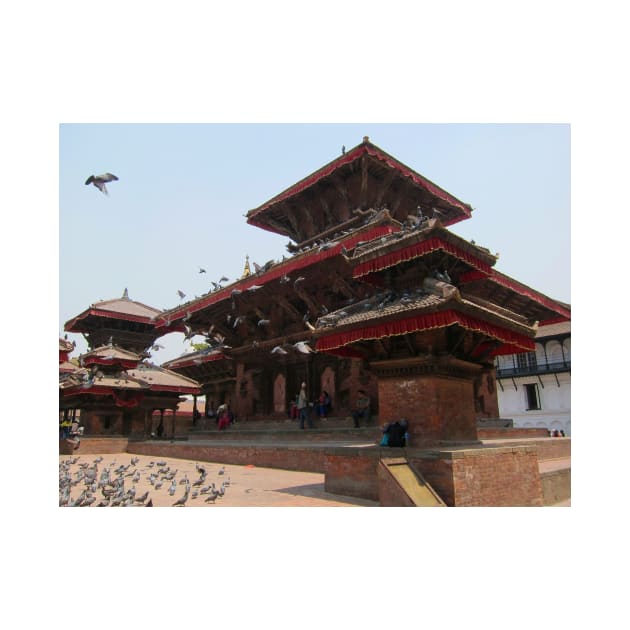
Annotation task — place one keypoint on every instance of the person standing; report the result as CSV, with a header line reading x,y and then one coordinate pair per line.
x,y
223,417
302,405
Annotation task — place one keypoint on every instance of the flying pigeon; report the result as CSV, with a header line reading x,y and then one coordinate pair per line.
x,y
100,180
302,346
181,294
202,270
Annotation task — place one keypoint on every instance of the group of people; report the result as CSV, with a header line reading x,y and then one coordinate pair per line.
x,y
70,430
557,433
300,408
395,433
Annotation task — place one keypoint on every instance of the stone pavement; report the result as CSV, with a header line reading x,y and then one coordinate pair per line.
x,y
249,486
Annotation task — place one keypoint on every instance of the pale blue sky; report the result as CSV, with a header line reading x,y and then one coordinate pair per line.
x,y
183,190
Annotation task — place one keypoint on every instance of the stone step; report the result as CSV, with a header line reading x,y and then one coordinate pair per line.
x,y
273,424
270,435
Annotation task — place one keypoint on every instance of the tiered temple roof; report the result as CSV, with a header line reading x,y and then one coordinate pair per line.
x,y
123,321
364,179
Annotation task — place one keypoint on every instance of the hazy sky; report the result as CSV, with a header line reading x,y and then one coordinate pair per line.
x,y
183,190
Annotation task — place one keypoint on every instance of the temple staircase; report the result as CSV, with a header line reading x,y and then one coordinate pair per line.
x,y
274,431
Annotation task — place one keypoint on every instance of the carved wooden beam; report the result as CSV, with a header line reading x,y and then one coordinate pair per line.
x,y
410,344
342,191
384,187
339,285
289,308
280,226
291,215
312,306
307,220
330,218
364,181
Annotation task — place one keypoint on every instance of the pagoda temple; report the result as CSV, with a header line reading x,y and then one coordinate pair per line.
x,y
117,391
376,294
128,323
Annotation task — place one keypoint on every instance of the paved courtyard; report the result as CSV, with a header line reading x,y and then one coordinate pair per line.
x,y
244,486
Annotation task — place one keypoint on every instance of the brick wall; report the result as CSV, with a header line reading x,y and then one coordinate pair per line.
x,y
437,407
506,476
390,494
353,473
556,485
285,458
102,445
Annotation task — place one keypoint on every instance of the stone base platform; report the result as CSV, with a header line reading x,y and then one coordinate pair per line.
x,y
496,472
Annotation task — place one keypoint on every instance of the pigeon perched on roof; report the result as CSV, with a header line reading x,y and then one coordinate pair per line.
x,y
100,180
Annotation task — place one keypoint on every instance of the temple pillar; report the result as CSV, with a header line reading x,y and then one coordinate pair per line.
x,y
435,395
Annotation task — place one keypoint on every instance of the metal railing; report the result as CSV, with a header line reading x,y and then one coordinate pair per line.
x,y
531,370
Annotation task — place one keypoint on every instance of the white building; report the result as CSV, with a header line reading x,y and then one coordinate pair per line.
x,y
535,387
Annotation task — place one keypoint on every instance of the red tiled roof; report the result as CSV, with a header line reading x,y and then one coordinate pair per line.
x,y
365,148
120,308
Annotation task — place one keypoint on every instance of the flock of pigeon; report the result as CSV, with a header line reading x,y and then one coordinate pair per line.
x,y
217,341
83,484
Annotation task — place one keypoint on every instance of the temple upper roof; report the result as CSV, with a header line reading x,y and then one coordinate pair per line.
x,y
364,179
121,308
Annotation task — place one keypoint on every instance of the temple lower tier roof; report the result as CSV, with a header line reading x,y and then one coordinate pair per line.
x,y
391,315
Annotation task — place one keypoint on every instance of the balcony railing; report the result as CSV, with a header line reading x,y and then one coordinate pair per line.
x,y
532,370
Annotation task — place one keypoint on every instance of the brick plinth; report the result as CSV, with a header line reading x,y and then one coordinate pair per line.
x,y
496,477
353,472
436,398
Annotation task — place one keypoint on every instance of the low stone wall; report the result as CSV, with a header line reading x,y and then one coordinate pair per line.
x,y
506,433
102,445
353,471
265,456
556,486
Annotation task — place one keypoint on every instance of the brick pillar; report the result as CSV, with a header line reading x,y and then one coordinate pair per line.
x,y
435,395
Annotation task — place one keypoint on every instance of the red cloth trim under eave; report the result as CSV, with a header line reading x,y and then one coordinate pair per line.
x,y
350,157
423,322
112,315
279,270
416,250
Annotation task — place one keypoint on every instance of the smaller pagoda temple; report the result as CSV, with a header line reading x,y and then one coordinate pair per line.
x,y
116,389
125,322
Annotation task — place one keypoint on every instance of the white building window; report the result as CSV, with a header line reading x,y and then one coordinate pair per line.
x,y
532,399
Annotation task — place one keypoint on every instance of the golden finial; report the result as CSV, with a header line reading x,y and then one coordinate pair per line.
x,y
246,271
